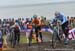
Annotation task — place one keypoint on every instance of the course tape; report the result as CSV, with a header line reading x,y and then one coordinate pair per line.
x,y
71,33
43,30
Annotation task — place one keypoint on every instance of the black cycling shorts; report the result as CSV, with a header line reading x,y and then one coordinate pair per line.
x,y
65,28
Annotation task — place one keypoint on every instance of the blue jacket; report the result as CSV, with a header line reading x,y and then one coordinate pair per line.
x,y
61,17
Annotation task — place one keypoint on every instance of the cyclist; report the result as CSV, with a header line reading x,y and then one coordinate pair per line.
x,y
16,35
36,23
28,26
64,24
37,26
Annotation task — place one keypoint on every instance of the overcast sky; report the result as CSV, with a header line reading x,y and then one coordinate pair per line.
x,y
21,2
46,10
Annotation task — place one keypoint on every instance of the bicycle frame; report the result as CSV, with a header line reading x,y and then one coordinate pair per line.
x,y
56,35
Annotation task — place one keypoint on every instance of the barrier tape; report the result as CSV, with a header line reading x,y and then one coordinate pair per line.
x,y
71,35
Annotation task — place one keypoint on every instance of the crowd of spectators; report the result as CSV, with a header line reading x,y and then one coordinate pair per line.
x,y
7,24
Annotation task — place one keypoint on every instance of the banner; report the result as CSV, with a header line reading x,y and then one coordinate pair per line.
x,y
72,34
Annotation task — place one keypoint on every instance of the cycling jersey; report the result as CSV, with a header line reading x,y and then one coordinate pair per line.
x,y
61,17
28,25
36,21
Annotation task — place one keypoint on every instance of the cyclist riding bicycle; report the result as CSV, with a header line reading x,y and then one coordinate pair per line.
x,y
64,24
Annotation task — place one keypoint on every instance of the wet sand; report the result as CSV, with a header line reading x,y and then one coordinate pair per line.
x,y
45,46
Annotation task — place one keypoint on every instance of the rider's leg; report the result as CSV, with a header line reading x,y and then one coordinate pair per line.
x,y
27,36
40,33
36,31
30,37
18,38
65,31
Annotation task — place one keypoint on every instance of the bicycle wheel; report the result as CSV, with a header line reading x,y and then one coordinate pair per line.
x,y
54,40
11,40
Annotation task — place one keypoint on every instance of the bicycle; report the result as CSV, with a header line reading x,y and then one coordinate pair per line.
x,y
57,35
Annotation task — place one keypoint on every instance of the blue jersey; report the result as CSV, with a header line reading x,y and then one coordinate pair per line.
x,y
61,17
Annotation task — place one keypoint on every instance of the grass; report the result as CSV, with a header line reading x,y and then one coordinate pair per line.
x,y
24,40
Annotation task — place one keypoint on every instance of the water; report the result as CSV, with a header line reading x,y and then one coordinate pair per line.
x,y
39,9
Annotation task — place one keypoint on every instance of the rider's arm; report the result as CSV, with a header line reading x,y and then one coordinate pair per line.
x,y
64,19
54,21
32,22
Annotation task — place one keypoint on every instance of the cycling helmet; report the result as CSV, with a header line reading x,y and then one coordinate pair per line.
x,y
57,14
34,16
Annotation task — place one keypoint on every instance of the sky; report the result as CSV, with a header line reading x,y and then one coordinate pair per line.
x,y
46,10
23,2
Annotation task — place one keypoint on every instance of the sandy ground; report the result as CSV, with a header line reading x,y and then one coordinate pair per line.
x,y
45,46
